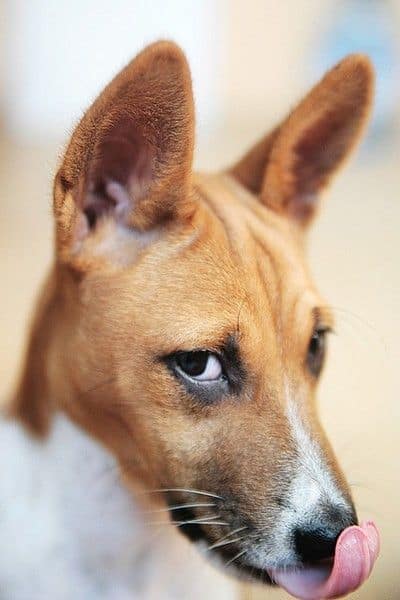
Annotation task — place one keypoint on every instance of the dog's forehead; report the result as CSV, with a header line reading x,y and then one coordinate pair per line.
x,y
239,266
264,245
245,218
267,252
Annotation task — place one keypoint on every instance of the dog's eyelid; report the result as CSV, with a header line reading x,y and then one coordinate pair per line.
x,y
222,346
210,349
324,329
323,320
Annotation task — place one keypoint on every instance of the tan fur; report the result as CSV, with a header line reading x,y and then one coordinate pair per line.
x,y
221,260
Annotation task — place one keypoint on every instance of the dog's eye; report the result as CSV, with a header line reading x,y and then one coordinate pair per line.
x,y
316,351
209,376
199,365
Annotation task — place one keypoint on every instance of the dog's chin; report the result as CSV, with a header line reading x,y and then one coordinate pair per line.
x,y
249,574
224,558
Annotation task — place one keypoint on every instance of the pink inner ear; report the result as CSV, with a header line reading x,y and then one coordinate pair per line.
x,y
119,174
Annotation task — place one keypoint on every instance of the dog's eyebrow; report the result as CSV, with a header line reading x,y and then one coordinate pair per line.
x,y
230,346
323,317
231,353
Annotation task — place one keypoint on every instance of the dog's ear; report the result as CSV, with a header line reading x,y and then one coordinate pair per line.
x,y
292,164
129,160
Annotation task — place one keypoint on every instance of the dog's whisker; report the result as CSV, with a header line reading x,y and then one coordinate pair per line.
x,y
198,520
351,318
238,555
272,578
179,507
191,522
360,485
362,320
204,518
184,490
226,543
235,531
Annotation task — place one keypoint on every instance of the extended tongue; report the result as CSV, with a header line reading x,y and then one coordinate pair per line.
x,y
356,551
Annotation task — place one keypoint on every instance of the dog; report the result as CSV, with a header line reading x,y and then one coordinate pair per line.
x,y
170,375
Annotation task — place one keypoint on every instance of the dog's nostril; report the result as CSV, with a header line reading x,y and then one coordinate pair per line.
x,y
334,514
315,544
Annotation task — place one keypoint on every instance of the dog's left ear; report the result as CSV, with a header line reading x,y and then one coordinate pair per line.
x,y
291,165
128,164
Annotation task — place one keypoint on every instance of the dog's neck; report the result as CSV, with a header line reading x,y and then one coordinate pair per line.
x,y
75,531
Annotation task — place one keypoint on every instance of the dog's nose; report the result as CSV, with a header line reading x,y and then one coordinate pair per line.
x,y
317,541
315,544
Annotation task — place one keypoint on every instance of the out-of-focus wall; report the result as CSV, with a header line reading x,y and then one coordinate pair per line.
x,y
250,62
267,55
58,55
277,50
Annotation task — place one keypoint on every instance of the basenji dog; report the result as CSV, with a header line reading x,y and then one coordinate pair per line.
x,y
170,376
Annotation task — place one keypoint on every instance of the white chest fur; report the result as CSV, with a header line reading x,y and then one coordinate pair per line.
x,y
70,531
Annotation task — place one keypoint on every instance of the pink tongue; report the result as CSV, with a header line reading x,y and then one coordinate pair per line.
x,y
357,549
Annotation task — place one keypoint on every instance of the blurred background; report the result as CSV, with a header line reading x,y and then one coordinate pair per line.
x,y
251,62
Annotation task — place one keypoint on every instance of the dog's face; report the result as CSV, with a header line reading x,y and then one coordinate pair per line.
x,y
193,335
209,349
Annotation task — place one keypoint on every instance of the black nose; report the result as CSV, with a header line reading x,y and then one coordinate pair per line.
x,y
315,544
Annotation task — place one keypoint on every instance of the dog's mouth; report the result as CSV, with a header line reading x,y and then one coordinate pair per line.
x,y
356,551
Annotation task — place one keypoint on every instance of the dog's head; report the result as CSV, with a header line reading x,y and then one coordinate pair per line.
x,y
190,336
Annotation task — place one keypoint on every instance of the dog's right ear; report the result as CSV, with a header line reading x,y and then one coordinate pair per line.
x,y
128,164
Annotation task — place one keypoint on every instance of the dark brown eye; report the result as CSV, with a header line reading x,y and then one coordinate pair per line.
x,y
200,365
316,352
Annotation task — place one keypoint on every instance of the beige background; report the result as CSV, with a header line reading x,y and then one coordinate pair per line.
x,y
354,248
